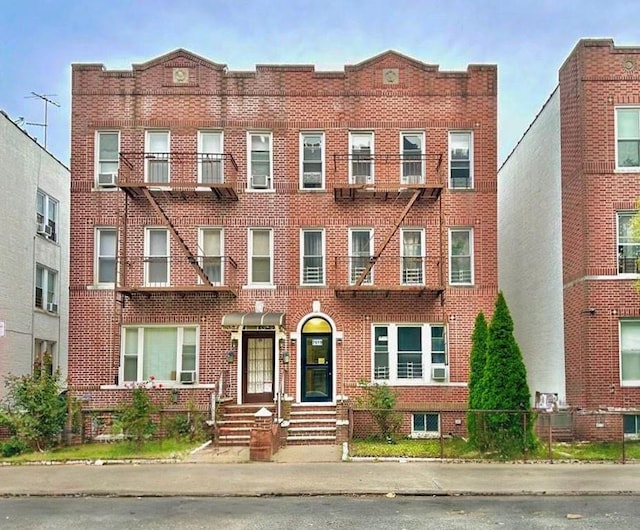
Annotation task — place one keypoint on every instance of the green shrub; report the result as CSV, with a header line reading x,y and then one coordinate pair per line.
x,y
135,418
12,447
34,411
380,401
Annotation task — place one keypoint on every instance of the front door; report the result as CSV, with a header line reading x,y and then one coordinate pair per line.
x,y
317,360
258,366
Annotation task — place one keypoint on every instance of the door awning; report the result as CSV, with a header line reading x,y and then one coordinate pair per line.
x,y
269,320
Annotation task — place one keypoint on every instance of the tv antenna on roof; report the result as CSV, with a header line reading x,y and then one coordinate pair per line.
x,y
47,102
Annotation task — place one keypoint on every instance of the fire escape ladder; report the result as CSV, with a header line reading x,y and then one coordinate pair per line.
x,y
193,261
375,257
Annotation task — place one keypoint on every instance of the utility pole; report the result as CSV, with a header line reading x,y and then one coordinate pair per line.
x,y
47,102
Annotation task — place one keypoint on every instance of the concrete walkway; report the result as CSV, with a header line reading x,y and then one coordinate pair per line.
x,y
316,470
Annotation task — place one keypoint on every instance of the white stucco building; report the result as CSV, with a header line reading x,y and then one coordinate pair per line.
x,y
34,255
530,249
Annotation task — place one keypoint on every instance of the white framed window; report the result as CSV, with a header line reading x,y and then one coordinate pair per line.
x,y
461,256
47,216
107,158
628,138
360,254
312,258
628,247
412,257
106,242
260,157
425,425
631,426
157,157
169,354
408,353
411,152
156,258
44,352
210,157
260,257
311,160
211,246
460,160
630,352
46,294
361,170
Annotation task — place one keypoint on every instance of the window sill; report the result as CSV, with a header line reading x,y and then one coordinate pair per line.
x,y
101,287
259,286
259,190
167,384
415,382
314,285
623,170
313,190
461,284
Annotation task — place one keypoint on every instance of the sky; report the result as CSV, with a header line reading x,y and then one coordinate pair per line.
x,y
528,40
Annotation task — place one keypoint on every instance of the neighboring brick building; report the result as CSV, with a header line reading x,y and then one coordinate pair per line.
x,y
571,286
281,232
34,255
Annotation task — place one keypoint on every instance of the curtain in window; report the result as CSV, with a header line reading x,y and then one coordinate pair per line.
x,y
106,256
360,254
211,158
131,354
189,349
261,261
630,346
312,257
158,261
460,256
212,255
412,257
160,353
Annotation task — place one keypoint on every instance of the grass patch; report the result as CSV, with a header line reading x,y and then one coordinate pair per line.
x,y
156,449
459,449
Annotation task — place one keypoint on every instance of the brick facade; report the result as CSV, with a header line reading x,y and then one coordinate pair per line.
x,y
596,79
183,94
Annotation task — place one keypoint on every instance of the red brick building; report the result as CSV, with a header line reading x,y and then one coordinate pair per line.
x,y
281,233
567,195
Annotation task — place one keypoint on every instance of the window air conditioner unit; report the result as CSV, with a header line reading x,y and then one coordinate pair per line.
x,y
188,377
438,372
52,308
363,179
312,178
107,180
42,229
48,230
259,181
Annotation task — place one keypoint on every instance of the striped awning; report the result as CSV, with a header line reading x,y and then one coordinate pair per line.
x,y
268,320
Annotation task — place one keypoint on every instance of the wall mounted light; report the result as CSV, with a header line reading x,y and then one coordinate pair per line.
x,y
231,355
281,343
175,396
285,357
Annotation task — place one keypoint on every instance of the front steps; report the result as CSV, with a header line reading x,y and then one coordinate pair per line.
x,y
308,424
312,425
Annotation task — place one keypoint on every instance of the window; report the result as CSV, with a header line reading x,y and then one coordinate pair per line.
x,y
406,353
412,257
360,254
628,248
157,157
260,161
630,352
162,352
460,160
631,425
628,138
105,260
47,216
361,155
460,256
210,168
412,151
312,159
260,252
107,153
46,289
312,257
156,258
425,424
211,252
43,352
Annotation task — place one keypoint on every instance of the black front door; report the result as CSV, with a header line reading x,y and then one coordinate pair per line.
x,y
258,367
316,366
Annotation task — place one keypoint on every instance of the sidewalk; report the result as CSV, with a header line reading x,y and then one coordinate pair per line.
x,y
316,470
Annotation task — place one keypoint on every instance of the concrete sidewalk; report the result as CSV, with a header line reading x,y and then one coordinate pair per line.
x,y
317,471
